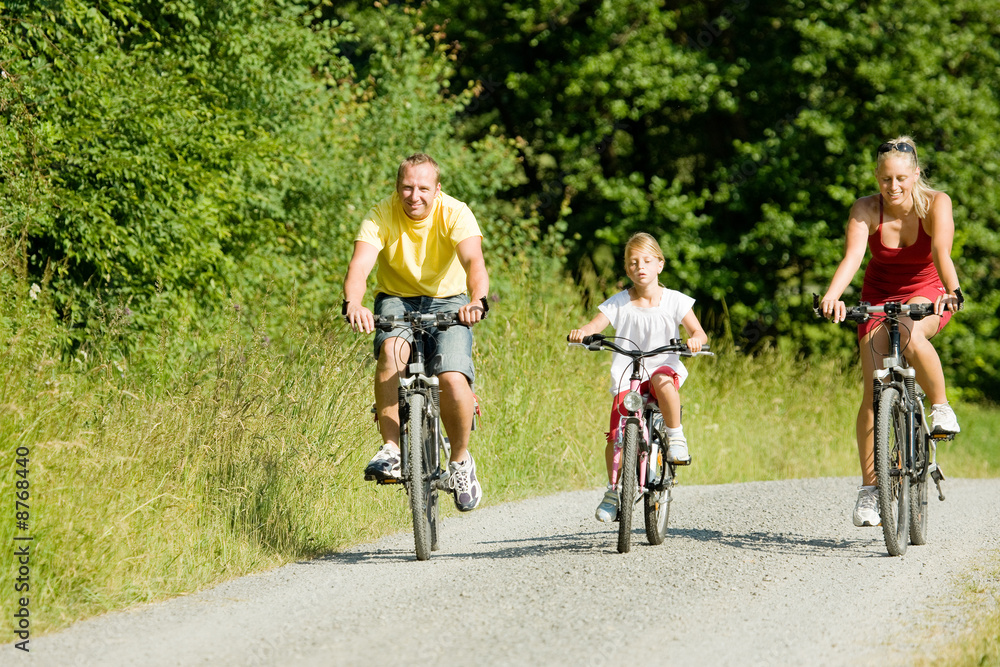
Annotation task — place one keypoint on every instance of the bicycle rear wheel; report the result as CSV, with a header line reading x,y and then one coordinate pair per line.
x,y
417,482
918,489
893,485
433,465
656,503
627,486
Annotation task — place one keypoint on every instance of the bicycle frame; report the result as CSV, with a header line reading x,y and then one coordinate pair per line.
x,y
646,447
416,381
421,441
895,389
640,471
896,372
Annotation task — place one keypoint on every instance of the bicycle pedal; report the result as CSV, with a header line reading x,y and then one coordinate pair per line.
x,y
938,477
388,480
940,435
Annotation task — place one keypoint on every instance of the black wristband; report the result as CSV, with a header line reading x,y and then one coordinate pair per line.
x,y
486,306
960,297
343,307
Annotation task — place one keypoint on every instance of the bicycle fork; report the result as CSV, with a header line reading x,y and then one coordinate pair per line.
x,y
642,455
429,386
904,380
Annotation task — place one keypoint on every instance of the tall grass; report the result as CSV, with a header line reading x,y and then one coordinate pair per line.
x,y
169,468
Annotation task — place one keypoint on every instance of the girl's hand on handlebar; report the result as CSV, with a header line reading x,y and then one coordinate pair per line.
x,y
694,344
360,318
576,336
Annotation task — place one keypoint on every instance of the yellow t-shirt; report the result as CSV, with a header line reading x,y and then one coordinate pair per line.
x,y
418,257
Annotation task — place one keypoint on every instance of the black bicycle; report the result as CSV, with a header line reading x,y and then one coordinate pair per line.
x,y
644,471
905,447
424,449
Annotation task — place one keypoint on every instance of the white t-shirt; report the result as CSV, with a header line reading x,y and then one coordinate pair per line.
x,y
647,329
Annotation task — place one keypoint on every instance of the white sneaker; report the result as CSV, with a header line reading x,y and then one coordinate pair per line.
x,y
943,419
866,509
384,466
607,511
465,485
677,452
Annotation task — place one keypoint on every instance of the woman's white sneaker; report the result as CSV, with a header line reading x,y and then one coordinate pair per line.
x,y
943,419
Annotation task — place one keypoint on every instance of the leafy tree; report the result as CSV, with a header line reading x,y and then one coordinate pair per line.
x,y
740,134
184,154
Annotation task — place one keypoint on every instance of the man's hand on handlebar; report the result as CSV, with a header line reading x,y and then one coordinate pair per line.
x,y
472,312
359,317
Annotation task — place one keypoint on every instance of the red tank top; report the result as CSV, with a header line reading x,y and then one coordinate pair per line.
x,y
897,274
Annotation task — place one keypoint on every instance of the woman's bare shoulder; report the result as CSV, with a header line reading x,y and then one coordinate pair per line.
x,y
865,210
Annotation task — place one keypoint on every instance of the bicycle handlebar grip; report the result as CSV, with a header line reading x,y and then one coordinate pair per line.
x,y
816,309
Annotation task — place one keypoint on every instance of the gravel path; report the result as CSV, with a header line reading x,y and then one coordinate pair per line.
x,y
762,573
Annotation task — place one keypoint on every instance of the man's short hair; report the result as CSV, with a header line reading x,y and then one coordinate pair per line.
x,y
413,161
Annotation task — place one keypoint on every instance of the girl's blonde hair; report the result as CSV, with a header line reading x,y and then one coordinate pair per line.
x,y
921,190
641,241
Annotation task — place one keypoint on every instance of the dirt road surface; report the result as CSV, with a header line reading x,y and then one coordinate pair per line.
x,y
764,573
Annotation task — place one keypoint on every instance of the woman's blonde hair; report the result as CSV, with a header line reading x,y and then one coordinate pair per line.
x,y
643,242
921,190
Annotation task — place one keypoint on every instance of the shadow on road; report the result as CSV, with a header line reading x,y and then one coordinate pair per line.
x,y
786,543
583,542
603,541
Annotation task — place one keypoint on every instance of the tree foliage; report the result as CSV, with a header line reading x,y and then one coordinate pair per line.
x,y
162,158
740,133
184,154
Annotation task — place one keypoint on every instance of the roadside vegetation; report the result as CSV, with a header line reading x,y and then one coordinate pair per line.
x,y
181,183
158,478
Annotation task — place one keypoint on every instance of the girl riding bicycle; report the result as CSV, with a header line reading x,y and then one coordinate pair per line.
x,y
648,315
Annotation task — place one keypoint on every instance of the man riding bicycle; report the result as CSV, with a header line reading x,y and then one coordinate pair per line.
x,y
428,248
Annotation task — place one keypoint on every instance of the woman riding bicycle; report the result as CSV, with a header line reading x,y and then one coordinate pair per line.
x,y
910,229
648,315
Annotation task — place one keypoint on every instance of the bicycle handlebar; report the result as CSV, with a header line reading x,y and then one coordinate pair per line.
x,y
598,342
864,311
416,320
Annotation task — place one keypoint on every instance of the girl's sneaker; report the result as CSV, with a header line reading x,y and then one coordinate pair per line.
x,y
607,511
866,509
677,452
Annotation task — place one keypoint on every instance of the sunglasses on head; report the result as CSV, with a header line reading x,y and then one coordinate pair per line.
x,y
900,146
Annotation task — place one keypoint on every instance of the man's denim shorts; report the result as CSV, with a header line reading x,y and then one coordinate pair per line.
x,y
448,350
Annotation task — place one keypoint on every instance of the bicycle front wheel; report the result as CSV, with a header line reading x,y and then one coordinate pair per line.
x,y
417,482
893,485
918,489
656,502
627,486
